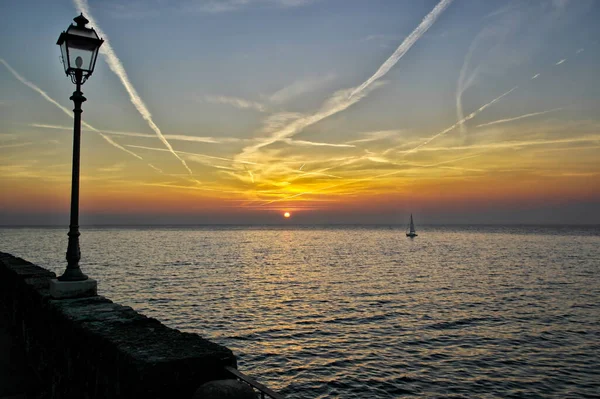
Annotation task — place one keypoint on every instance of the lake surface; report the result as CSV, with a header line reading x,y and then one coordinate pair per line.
x,y
364,312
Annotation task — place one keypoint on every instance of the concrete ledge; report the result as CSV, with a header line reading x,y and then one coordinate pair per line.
x,y
73,289
94,348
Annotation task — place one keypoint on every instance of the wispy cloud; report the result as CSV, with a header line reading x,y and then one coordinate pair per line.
x,y
222,6
515,144
249,173
8,136
340,101
537,75
361,180
343,99
65,110
466,118
516,118
315,144
237,102
466,81
376,136
15,145
118,167
299,88
194,154
116,66
561,61
406,45
198,139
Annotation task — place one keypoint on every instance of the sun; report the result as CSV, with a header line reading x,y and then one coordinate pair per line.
x,y
287,215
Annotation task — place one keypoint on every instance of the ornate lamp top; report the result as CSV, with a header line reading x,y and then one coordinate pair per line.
x,y
81,21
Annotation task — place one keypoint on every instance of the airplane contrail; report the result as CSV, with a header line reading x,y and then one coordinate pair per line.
x,y
343,99
65,110
466,118
516,118
464,83
406,44
250,173
116,66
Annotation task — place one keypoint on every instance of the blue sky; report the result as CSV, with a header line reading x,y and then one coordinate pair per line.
x,y
233,99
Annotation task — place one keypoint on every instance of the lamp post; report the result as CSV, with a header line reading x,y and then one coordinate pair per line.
x,y
79,48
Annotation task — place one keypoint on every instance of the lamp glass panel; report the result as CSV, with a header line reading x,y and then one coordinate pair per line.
x,y
65,55
86,58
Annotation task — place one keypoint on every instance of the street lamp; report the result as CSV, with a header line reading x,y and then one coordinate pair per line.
x,y
79,47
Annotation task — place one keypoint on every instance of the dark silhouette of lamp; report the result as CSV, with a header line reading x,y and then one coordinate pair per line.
x,y
79,47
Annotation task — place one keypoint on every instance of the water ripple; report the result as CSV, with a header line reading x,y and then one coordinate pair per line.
x,y
359,312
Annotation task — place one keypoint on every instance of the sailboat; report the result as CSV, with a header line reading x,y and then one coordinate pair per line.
x,y
411,232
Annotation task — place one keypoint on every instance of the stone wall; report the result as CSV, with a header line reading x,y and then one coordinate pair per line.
x,y
94,348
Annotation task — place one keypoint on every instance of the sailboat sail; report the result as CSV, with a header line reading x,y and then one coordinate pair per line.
x,y
411,228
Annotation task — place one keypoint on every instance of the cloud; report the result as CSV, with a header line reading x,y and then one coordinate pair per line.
x,y
118,167
315,144
116,66
15,145
466,118
340,101
198,139
343,99
222,6
516,118
376,136
516,144
366,179
194,154
299,88
537,75
561,61
237,102
406,44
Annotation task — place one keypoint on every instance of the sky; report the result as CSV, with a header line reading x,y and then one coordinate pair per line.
x,y
336,111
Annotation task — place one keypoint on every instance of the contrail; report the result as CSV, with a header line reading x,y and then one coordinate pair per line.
x,y
16,145
516,118
116,66
343,99
209,140
561,61
405,45
250,173
466,118
316,144
461,85
65,110
537,75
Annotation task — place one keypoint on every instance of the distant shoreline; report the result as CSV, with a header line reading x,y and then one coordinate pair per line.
x,y
109,226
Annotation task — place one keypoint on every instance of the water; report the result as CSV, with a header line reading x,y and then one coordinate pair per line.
x,y
364,312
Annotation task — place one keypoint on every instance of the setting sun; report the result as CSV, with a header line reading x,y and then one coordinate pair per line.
x,y
287,215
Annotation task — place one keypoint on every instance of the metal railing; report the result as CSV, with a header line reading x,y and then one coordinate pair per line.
x,y
263,391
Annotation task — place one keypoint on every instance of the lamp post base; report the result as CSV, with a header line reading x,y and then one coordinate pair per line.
x,y
73,289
